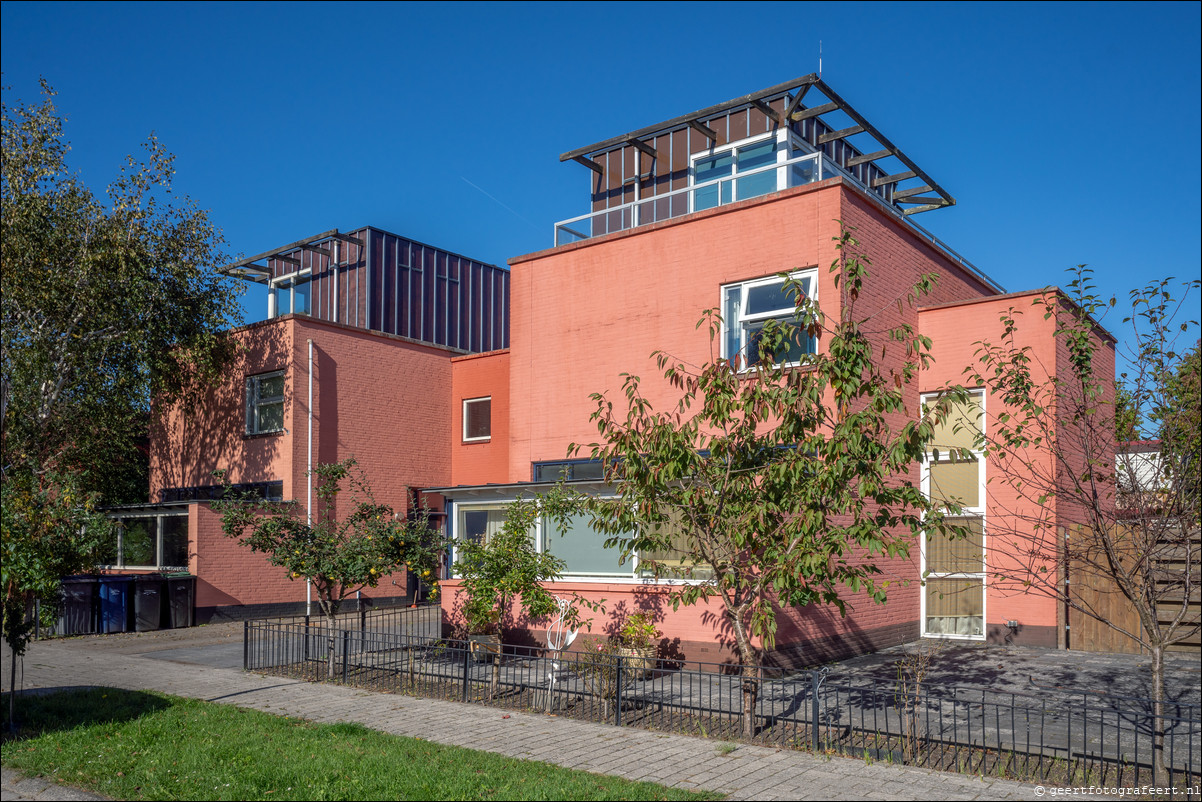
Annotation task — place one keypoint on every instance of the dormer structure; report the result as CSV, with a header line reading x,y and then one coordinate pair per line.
x,y
789,135
375,280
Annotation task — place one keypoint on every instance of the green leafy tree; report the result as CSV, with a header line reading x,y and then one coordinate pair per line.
x,y
507,569
49,528
503,569
105,302
769,484
338,555
1125,520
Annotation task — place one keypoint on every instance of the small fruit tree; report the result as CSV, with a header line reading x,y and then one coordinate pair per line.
x,y
338,555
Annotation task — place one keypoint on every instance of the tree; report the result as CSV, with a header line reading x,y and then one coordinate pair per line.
x,y
339,556
1081,513
774,486
50,529
504,569
104,304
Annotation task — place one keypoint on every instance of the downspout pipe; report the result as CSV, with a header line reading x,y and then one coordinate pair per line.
x,y
309,480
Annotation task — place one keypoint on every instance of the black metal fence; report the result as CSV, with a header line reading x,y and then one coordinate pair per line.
x,y
1082,739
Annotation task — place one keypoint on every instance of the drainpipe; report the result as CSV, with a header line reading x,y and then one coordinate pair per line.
x,y
309,479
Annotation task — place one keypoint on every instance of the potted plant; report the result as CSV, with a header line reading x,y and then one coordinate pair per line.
x,y
483,623
637,643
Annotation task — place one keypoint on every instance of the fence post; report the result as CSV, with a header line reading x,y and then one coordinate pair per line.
x,y
618,695
815,684
362,618
467,656
346,640
246,645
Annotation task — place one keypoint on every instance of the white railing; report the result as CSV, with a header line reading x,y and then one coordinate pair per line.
x,y
742,185
794,172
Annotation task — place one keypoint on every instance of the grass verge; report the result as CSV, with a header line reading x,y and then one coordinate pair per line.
x,y
139,745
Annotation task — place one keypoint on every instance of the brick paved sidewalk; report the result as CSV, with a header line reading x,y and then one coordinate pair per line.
x,y
747,772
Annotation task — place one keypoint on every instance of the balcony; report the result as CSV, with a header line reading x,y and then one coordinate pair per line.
x,y
738,183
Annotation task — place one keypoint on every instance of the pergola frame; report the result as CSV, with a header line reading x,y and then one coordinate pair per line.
x,y
921,196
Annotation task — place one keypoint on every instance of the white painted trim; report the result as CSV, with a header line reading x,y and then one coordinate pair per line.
x,y
487,437
967,512
810,272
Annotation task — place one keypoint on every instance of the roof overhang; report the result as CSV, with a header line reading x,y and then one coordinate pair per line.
x,y
250,269
915,192
508,492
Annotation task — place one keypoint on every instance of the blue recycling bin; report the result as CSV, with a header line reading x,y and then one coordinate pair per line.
x,y
116,594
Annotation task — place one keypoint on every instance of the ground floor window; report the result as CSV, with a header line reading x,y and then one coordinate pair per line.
x,y
579,545
953,569
148,540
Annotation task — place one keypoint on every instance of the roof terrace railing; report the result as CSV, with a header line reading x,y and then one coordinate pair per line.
x,y
795,172
799,171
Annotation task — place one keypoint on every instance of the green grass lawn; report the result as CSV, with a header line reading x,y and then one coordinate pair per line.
x,y
137,745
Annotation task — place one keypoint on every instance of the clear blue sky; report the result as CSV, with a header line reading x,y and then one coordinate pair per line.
x,y
1068,133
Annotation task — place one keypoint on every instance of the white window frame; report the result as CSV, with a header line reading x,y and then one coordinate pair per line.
x,y
634,577
254,401
291,280
775,314
786,143
477,400
977,511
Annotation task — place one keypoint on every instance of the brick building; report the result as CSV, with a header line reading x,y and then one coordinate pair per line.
x,y
474,395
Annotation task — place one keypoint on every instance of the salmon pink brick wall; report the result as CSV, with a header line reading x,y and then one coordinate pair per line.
x,y
380,398
956,331
585,314
476,376
189,441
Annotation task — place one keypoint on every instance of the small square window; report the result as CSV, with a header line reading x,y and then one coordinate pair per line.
x,y
265,403
477,419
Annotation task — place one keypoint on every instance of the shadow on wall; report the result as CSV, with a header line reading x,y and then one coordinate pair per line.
x,y
207,431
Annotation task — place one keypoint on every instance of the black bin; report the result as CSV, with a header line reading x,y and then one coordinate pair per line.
x,y
77,613
149,601
181,600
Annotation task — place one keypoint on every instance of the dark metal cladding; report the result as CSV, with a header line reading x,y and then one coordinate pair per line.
x,y
379,281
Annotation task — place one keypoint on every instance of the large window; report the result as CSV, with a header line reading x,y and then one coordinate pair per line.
x,y
954,569
734,164
581,547
265,403
477,419
148,540
746,307
289,295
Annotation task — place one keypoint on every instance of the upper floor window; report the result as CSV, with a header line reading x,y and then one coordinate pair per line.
x,y
747,306
734,164
477,419
289,295
265,403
